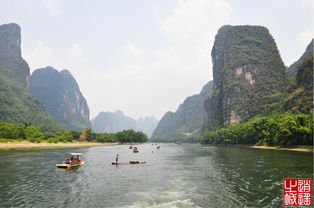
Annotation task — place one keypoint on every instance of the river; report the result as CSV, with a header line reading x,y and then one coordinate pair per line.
x,y
174,176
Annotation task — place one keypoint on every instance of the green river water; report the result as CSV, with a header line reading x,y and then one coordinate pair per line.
x,y
174,176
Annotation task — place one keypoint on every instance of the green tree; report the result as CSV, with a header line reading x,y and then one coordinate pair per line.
x,y
34,134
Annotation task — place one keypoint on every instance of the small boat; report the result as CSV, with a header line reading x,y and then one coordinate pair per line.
x,y
71,162
130,162
130,147
135,150
178,142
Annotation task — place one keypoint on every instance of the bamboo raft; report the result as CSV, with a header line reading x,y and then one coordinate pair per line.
x,y
130,162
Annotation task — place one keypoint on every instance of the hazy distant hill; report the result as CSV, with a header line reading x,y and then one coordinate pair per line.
x,y
113,122
17,105
248,74
187,120
61,96
147,125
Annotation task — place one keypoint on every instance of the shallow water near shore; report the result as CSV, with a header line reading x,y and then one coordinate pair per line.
x,y
174,176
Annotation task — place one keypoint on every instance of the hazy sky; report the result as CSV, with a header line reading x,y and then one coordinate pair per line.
x,y
145,56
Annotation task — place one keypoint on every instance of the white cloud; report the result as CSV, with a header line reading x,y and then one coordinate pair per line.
x,y
40,56
304,38
191,29
157,15
75,52
53,6
309,3
147,81
43,55
134,53
155,81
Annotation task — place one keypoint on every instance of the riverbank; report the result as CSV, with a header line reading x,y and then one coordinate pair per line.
x,y
296,148
28,145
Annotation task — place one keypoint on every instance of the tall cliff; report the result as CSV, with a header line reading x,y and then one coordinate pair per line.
x,y
292,70
187,120
17,105
11,62
61,96
248,72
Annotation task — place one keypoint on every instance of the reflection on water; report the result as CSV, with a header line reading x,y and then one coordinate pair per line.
x,y
174,176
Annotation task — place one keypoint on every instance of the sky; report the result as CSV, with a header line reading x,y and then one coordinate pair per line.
x,y
145,57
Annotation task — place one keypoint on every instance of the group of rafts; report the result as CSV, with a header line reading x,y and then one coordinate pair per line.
x,y
74,159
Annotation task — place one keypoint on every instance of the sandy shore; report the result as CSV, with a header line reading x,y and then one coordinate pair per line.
x,y
299,149
26,145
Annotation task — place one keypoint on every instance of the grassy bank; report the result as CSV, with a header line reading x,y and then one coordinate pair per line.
x,y
27,144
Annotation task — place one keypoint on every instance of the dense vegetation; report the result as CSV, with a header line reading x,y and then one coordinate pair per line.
x,y
187,121
16,132
17,105
282,130
299,96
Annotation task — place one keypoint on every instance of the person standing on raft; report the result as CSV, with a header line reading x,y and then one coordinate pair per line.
x,y
117,158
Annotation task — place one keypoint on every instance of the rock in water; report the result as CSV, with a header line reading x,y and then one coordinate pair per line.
x,y
248,72
61,96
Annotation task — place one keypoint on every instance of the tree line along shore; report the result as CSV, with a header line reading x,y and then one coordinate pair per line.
x,y
26,135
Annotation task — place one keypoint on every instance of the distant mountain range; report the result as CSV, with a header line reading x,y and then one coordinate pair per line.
x,y
114,122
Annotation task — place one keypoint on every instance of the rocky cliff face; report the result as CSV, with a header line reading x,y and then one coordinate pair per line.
x,y
61,96
114,122
292,70
17,105
11,62
187,120
248,72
